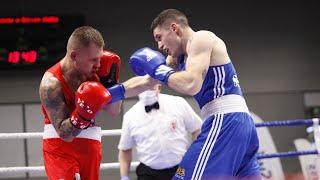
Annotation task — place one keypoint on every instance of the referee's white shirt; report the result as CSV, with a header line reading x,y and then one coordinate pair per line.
x,y
160,136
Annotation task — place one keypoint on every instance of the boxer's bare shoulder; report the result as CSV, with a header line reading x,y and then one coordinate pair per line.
x,y
50,91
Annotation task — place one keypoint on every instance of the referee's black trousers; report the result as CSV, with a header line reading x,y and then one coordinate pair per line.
x,y
146,173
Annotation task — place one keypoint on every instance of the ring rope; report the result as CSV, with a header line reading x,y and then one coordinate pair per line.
x,y
13,170
105,166
116,132
28,135
294,122
286,154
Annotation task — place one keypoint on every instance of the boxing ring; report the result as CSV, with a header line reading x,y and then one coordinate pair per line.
x,y
116,132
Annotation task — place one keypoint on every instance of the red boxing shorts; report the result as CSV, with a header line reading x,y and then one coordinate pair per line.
x,y
63,160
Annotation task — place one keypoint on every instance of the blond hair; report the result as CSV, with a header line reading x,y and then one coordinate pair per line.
x,y
83,36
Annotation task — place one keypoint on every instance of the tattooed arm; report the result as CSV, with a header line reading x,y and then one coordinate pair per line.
x,y
52,98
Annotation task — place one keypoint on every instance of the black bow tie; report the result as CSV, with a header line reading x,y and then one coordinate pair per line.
x,y
152,106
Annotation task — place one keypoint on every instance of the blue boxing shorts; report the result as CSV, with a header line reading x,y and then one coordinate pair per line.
x,y
225,149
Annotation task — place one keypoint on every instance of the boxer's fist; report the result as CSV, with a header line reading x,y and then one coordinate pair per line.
x,y
89,99
147,61
109,72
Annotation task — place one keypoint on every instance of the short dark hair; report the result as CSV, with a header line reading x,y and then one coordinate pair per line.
x,y
84,35
169,15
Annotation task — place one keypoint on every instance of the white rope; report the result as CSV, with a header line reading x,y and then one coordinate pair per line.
x,y
28,135
114,132
116,165
20,135
14,170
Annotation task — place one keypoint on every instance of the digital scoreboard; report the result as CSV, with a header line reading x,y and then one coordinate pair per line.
x,y
35,41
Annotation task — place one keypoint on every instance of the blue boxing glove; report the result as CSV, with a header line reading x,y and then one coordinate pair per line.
x,y
117,93
147,61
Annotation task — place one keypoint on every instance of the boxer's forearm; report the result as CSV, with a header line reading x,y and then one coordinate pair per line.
x,y
63,126
113,109
67,131
138,84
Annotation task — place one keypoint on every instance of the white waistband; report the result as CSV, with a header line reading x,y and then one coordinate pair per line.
x,y
90,133
224,104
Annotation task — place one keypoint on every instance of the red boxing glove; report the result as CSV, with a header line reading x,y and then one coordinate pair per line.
x,y
90,98
109,71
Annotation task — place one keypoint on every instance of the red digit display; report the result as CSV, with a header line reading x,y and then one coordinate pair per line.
x,y
14,57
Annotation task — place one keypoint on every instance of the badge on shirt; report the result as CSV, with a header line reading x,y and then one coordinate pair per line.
x,y
173,125
180,173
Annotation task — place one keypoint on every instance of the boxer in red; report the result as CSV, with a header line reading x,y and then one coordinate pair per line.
x,y
72,92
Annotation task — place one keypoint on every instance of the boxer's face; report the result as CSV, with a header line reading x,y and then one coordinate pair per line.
x,y
168,39
88,59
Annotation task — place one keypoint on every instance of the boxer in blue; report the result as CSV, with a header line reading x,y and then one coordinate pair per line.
x,y
198,64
